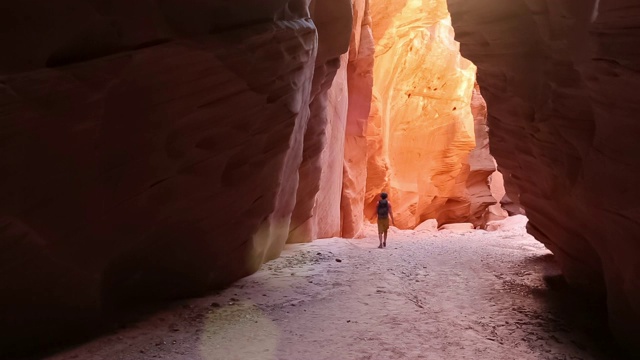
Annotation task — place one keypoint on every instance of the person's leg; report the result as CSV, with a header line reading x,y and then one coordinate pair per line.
x,y
380,231
385,239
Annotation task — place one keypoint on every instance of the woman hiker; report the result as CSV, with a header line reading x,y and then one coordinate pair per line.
x,y
384,213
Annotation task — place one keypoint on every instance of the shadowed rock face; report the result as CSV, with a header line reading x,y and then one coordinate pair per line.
x,y
151,149
560,79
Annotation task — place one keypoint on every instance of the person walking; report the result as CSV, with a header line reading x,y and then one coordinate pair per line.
x,y
384,213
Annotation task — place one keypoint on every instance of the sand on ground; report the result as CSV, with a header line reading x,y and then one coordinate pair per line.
x,y
442,295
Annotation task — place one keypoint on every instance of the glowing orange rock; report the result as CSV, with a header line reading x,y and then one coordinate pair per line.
x,y
421,129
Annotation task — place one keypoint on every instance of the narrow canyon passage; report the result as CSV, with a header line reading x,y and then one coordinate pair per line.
x,y
443,295
160,150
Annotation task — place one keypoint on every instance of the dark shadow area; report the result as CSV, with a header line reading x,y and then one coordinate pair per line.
x,y
113,321
117,321
80,335
31,349
579,312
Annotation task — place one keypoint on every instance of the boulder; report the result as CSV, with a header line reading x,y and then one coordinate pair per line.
x,y
430,225
458,227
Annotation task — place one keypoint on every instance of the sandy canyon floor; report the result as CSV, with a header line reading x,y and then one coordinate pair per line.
x,y
443,295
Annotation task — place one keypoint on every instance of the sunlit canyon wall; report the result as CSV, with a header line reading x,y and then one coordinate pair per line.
x,y
420,129
560,79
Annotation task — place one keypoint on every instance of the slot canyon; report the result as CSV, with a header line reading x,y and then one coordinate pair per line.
x,y
164,150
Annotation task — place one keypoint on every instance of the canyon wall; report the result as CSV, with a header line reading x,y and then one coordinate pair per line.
x,y
324,133
360,80
153,149
484,184
421,138
560,80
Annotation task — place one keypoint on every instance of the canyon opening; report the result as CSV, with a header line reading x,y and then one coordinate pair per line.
x,y
201,179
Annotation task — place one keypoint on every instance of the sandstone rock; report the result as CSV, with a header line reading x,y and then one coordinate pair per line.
x,y
428,226
493,213
150,150
421,125
360,82
511,207
327,213
458,227
512,222
560,80
333,21
485,185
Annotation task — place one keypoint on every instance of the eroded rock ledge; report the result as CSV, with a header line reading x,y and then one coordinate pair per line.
x,y
560,79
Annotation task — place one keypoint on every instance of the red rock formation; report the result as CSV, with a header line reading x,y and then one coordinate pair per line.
x,y
327,211
150,149
360,82
560,80
421,127
333,20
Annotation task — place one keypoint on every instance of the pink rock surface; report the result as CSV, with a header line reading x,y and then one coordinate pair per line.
x,y
512,223
327,214
360,83
458,227
484,184
428,226
148,152
333,21
561,80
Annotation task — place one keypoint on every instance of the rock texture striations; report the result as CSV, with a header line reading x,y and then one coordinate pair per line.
x,y
153,149
421,134
360,80
324,135
560,79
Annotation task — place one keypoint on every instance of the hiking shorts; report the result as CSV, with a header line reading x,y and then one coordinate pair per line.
x,y
383,225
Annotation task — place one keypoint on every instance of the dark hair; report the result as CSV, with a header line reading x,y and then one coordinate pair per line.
x,y
383,195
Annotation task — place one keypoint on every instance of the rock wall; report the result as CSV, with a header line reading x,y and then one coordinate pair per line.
x,y
360,83
421,127
333,20
327,210
153,149
560,80
484,183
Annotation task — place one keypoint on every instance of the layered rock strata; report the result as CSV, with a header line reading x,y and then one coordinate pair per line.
x,y
152,149
421,137
560,80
